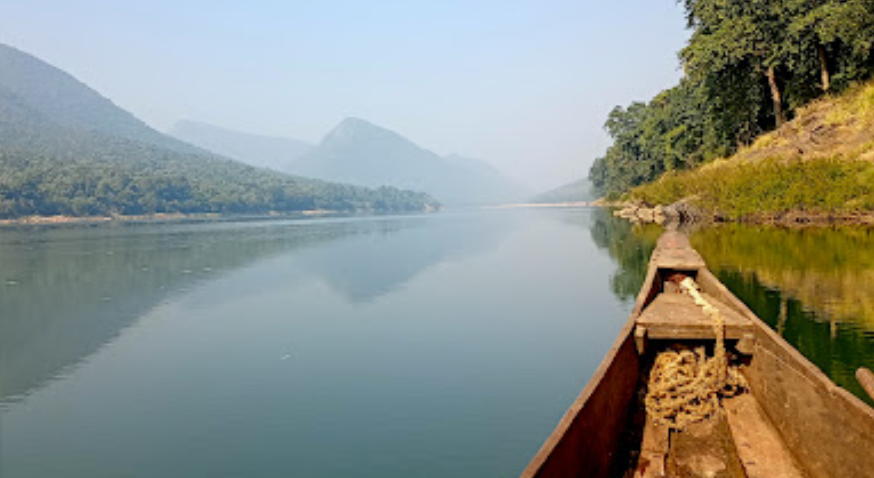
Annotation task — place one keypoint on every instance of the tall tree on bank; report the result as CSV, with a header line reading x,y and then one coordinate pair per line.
x,y
832,31
673,131
731,35
748,65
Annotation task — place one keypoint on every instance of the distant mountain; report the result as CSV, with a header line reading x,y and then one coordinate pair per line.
x,y
577,191
272,152
359,152
50,94
65,149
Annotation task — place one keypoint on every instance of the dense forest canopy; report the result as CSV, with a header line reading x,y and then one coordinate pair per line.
x,y
748,65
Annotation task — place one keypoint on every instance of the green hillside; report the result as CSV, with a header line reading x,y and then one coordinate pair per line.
x,y
819,165
52,94
66,150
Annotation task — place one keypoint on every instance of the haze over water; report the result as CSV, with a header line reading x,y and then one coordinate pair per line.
x,y
440,345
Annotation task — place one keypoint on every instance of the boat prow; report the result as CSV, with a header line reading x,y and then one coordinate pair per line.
x,y
792,421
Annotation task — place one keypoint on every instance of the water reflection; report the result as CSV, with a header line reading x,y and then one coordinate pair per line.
x,y
66,292
630,245
276,364
365,269
813,286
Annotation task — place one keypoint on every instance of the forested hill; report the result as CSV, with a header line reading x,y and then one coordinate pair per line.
x,y
749,67
66,150
52,94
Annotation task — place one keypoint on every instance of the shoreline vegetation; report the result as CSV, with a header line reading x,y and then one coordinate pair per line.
x,y
772,122
314,213
60,219
182,217
158,218
817,169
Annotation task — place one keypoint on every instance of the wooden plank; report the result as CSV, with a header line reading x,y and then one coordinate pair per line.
x,y
655,437
673,251
679,260
677,316
829,432
704,450
866,380
640,339
759,446
653,450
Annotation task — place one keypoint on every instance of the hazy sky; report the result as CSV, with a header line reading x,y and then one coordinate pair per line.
x,y
525,85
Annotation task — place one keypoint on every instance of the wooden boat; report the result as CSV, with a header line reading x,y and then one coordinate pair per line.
x,y
793,420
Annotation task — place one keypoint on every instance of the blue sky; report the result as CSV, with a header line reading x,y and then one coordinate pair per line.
x,y
525,85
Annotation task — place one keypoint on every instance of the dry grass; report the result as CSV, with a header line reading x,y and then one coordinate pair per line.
x,y
822,162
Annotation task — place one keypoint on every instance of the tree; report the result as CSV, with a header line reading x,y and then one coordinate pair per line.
x,y
732,35
831,30
748,65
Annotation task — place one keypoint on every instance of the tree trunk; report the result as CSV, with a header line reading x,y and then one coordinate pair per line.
x,y
823,67
775,95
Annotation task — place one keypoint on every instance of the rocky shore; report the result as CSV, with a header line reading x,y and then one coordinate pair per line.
x,y
679,212
684,212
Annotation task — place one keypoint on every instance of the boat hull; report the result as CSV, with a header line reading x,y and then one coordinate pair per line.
x,y
587,438
828,432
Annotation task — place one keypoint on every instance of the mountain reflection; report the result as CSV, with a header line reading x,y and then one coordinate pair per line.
x,y
66,292
362,269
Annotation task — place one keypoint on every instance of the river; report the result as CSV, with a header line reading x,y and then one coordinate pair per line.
x,y
417,346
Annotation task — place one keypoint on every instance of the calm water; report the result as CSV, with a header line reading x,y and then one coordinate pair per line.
x,y
443,345
446,345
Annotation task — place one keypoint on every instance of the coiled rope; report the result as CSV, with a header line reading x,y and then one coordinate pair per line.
x,y
684,385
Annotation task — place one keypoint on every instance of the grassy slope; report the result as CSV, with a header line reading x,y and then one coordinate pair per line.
x,y
820,164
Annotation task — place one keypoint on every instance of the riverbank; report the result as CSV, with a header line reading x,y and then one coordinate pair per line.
x,y
687,212
161,217
816,169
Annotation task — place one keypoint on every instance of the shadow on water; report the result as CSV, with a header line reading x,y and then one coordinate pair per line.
x,y
813,286
65,292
